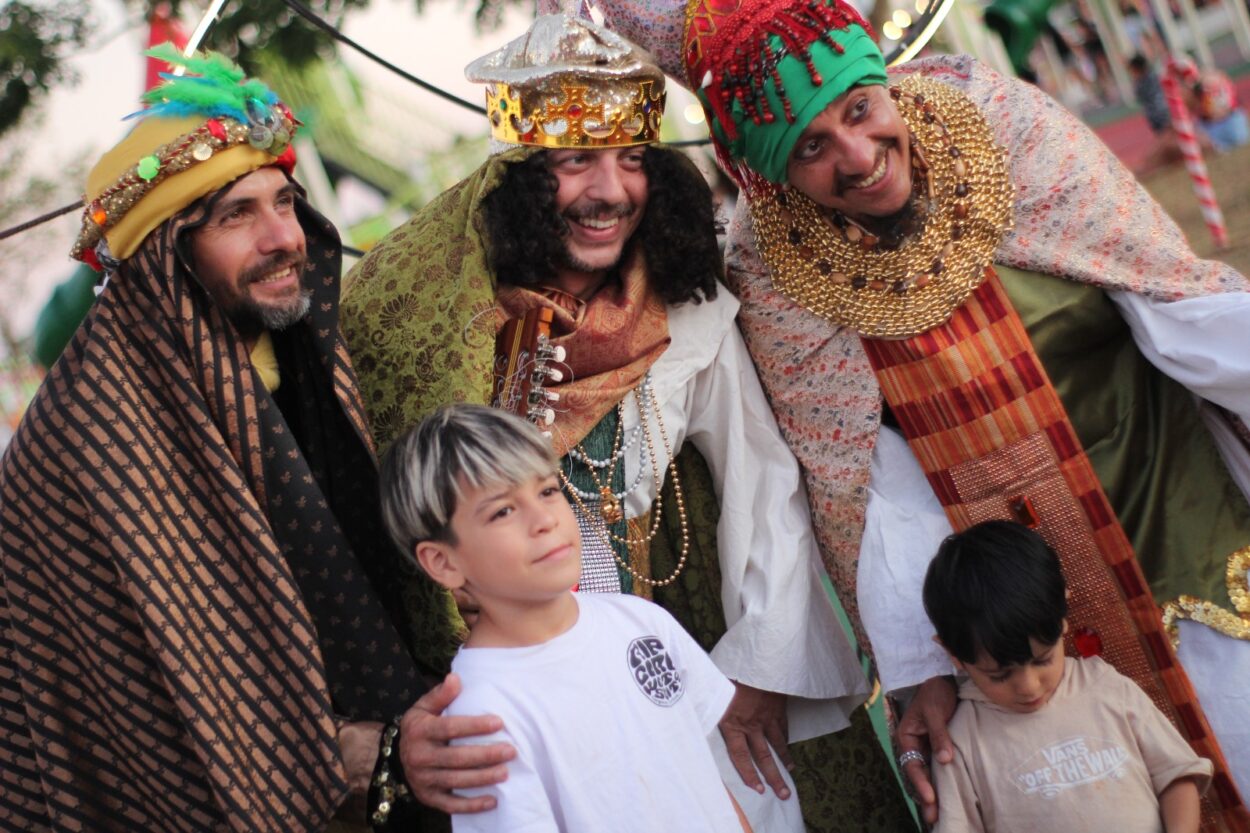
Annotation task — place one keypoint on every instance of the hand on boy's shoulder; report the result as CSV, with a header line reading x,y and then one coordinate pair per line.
x,y
434,767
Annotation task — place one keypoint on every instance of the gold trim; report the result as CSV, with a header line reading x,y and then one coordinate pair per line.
x,y
1235,625
640,553
875,695
212,136
900,294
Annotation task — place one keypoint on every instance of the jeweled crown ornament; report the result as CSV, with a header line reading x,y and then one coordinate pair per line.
x,y
202,131
568,83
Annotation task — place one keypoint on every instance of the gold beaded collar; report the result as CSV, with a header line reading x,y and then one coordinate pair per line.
x,y
836,270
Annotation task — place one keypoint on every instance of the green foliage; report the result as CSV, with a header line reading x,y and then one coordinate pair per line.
x,y
23,196
34,39
248,27
214,85
36,36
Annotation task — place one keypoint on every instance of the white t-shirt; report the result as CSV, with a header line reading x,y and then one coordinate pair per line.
x,y
610,721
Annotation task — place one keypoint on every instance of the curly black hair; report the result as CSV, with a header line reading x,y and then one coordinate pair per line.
x,y
526,234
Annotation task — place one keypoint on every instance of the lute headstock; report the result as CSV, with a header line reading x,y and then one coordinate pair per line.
x,y
523,358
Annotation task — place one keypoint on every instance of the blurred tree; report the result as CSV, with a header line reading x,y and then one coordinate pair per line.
x,y
36,34
23,195
33,40
247,28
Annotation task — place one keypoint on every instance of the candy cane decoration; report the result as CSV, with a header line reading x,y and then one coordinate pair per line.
x,y
1188,140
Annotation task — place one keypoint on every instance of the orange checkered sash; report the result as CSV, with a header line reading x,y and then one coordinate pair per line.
x,y
995,442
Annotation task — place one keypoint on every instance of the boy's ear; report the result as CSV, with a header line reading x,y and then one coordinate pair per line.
x,y
436,558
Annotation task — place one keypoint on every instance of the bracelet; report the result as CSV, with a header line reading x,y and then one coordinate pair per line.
x,y
390,800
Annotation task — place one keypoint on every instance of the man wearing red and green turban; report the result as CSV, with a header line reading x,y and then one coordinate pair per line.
x,y
964,308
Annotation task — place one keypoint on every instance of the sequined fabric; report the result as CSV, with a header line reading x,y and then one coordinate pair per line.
x,y
599,572
655,25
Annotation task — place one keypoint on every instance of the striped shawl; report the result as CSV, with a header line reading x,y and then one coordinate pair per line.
x,y
160,668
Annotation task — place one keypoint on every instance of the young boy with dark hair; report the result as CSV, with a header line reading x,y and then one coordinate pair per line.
x,y
1043,742
608,702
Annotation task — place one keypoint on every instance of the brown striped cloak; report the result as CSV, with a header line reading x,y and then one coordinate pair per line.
x,y
188,566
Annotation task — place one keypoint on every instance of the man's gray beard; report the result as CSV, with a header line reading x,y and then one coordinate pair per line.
x,y
253,317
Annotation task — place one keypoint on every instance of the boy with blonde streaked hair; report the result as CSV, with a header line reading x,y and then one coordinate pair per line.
x,y
473,494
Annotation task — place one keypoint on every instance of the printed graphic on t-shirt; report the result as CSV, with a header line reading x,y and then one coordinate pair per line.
x,y
654,671
1070,763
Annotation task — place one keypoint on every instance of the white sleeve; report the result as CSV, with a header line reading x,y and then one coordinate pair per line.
x,y
521,802
903,526
959,811
1203,343
783,633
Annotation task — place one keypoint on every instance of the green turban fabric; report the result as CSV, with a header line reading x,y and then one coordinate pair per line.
x,y
766,147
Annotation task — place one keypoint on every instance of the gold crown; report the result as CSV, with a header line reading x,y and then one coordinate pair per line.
x,y
618,113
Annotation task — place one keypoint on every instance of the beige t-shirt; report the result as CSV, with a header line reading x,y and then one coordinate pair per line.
x,y
1092,761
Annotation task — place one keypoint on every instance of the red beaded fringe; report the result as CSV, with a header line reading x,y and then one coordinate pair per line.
x,y
736,46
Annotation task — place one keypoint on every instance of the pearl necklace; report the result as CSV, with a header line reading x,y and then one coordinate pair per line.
x,y
613,512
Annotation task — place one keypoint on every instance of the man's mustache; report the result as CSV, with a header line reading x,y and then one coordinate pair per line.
x,y
843,183
281,260
600,211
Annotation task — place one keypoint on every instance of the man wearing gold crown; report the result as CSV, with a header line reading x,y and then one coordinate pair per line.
x,y
197,623
684,488
963,308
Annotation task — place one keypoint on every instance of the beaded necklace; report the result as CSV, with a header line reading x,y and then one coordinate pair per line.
x,y
610,507
962,199
610,500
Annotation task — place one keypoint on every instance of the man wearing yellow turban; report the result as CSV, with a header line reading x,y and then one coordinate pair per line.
x,y
199,624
